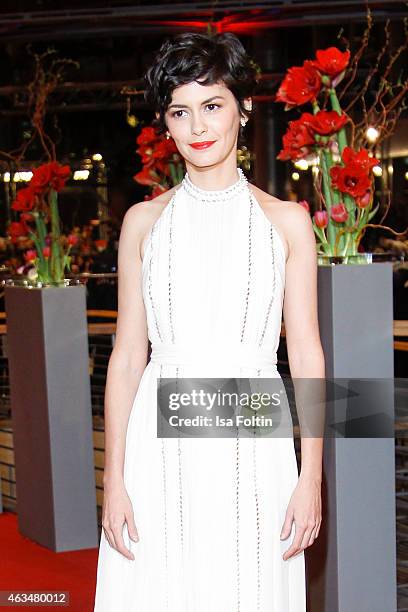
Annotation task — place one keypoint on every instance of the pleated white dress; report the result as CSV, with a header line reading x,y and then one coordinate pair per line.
x,y
209,511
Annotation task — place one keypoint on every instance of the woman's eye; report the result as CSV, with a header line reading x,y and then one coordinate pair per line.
x,y
213,105
175,114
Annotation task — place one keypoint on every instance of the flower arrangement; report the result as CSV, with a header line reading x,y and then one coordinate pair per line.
x,y
344,178
39,220
163,166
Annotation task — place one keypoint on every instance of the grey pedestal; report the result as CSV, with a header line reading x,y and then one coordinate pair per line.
x,y
351,567
51,414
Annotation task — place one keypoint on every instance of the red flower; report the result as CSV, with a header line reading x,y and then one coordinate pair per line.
x,y
361,158
16,229
354,177
364,201
49,175
147,176
41,178
296,141
72,239
26,217
46,251
60,174
301,84
321,218
146,153
164,149
25,199
30,255
339,213
147,136
305,204
350,179
331,61
325,123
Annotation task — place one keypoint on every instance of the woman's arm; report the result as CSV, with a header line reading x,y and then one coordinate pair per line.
x,y
129,355
125,369
305,353
306,361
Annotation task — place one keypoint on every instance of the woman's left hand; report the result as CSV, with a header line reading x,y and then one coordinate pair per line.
x,y
305,508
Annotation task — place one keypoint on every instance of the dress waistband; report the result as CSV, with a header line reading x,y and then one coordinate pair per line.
x,y
242,355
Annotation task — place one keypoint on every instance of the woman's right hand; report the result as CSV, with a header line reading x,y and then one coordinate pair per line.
x,y
117,510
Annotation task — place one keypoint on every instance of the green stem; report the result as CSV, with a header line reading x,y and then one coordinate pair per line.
x,y
331,231
173,173
39,241
335,104
56,263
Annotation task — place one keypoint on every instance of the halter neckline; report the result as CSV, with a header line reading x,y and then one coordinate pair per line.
x,y
211,195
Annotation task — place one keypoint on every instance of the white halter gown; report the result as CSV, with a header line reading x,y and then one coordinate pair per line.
x,y
209,511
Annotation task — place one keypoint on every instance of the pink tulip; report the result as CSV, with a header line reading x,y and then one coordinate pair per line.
x,y
339,213
321,218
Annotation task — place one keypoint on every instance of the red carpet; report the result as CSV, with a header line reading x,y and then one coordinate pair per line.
x,y
28,566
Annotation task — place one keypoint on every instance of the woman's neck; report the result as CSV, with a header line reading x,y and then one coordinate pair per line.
x,y
213,178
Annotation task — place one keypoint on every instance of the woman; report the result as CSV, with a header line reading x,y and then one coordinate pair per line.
x,y
204,524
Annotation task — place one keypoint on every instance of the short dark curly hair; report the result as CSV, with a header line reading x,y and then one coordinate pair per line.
x,y
193,56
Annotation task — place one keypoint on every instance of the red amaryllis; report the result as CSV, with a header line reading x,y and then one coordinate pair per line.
x,y
26,217
296,141
50,175
360,158
60,175
147,136
17,229
321,218
339,213
147,176
325,123
25,200
331,61
300,85
351,179
41,178
164,149
146,153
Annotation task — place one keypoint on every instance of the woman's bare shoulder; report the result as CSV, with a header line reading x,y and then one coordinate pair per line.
x,y
149,210
283,214
143,215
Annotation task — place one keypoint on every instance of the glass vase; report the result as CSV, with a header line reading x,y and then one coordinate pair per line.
x,y
332,260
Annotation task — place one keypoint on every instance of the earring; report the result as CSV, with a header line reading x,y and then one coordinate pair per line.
x,y
167,135
243,122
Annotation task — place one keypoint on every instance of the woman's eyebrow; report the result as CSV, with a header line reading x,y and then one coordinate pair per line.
x,y
204,102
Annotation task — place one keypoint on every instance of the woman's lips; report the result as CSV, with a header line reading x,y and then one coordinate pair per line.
x,y
202,145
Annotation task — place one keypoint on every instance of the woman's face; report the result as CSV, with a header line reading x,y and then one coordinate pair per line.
x,y
204,114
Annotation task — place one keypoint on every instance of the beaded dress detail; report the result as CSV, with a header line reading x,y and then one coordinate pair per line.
x,y
209,511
